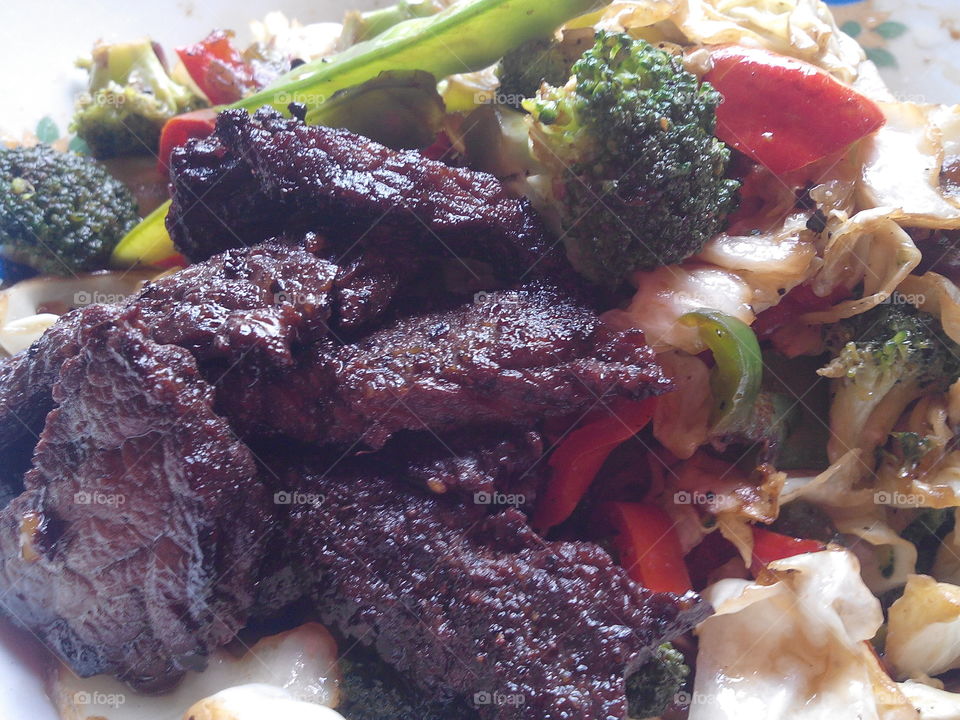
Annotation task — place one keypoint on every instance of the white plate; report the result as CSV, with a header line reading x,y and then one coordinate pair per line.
x,y
39,42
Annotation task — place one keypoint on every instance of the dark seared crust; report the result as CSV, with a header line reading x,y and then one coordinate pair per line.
x,y
463,602
254,304
267,175
514,357
149,515
471,462
26,381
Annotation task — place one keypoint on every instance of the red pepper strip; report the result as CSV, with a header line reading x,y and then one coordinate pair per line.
x,y
578,459
177,130
218,68
769,546
648,545
795,303
785,113
174,261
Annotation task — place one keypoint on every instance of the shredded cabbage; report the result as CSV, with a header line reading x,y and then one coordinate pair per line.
x,y
795,648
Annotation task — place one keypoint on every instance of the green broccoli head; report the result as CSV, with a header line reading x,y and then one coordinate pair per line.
x,y
523,70
60,213
638,175
653,688
129,98
884,359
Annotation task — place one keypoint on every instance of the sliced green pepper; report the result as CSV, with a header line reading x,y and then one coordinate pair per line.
x,y
738,372
463,38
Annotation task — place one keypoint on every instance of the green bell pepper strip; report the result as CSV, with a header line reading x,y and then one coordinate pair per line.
x,y
737,375
147,244
463,38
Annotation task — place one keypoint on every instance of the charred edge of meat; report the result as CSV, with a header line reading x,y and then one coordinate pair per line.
x,y
271,175
462,602
134,547
514,358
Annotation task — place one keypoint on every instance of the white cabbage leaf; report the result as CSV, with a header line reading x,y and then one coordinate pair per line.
x,y
923,632
903,162
795,649
869,248
681,422
932,703
804,29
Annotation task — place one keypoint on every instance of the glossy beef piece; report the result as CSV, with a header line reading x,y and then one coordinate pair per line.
x,y
135,546
470,604
264,175
256,304
252,306
26,381
514,357
468,466
492,465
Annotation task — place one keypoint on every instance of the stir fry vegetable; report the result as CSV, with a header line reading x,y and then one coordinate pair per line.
x,y
648,546
129,98
580,456
637,176
736,378
785,113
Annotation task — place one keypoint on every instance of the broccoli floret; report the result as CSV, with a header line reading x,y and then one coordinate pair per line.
x,y
884,359
60,213
129,98
522,71
653,688
638,177
372,690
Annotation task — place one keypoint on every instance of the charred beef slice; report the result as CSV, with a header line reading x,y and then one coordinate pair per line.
x,y
134,546
263,175
147,532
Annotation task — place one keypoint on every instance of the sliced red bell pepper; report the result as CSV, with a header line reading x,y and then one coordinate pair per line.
x,y
579,457
648,545
769,546
177,130
785,113
218,68
799,301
